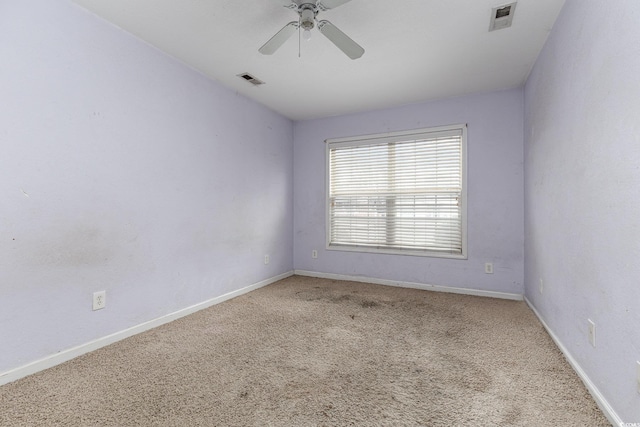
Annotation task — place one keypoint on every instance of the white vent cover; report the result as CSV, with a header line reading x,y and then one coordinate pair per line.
x,y
502,16
248,77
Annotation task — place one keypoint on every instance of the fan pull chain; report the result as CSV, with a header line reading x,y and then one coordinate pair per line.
x,y
299,36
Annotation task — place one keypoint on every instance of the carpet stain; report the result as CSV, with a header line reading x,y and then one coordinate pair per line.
x,y
513,416
369,304
339,299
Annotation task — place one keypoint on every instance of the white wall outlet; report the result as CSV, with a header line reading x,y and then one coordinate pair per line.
x,y
488,268
99,300
541,285
592,333
638,375
266,259
314,254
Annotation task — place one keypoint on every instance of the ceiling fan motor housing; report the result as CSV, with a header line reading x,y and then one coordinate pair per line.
x,y
308,12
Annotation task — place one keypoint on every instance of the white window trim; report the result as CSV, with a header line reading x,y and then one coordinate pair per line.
x,y
391,137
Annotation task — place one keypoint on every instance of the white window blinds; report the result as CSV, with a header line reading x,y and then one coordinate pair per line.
x,y
398,192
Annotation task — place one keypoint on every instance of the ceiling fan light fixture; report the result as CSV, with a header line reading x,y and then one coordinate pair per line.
x,y
306,34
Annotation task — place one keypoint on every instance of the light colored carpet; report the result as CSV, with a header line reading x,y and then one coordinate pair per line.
x,y
316,352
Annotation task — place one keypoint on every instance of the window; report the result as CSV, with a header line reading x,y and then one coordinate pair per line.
x,y
402,192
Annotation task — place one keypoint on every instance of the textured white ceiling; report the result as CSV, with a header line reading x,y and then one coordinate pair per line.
x,y
415,50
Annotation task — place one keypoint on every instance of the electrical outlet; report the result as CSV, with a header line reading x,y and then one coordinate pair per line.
x,y
314,254
488,268
99,300
592,333
541,285
266,259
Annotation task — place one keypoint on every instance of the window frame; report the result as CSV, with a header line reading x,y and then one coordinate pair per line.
x,y
391,137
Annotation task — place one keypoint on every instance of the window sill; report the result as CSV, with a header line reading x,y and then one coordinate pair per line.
x,y
405,252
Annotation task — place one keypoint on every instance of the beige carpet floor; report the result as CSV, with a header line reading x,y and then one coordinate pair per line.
x,y
316,352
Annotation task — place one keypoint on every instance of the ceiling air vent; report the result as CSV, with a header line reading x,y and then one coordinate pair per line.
x,y
248,77
502,16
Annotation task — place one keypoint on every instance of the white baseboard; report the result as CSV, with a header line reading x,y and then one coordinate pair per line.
x,y
606,408
68,354
423,286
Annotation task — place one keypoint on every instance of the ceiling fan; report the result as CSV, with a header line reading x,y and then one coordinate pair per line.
x,y
308,11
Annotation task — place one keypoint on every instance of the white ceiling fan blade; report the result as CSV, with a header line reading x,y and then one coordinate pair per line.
x,y
289,3
278,40
331,4
352,49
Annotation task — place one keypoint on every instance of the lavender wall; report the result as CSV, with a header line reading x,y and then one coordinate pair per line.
x,y
495,194
582,186
122,170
